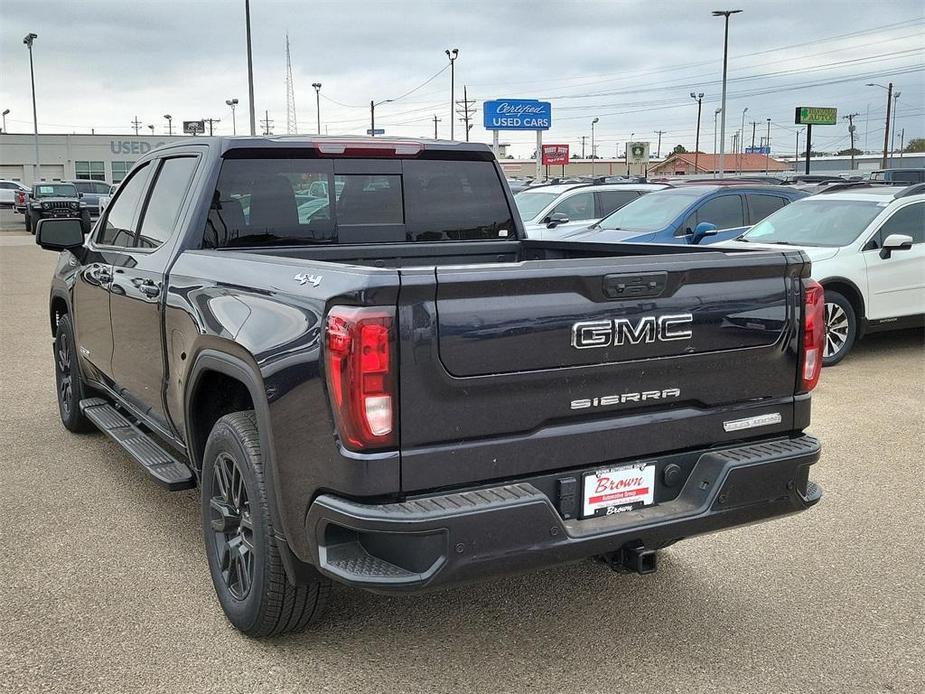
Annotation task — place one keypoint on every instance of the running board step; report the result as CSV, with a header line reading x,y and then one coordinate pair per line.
x,y
162,466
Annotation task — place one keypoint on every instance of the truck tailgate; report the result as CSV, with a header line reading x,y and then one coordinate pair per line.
x,y
522,368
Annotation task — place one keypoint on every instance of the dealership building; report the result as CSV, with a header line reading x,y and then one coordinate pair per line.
x,y
98,157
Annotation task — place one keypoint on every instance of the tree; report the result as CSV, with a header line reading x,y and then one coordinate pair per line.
x,y
916,144
849,151
679,149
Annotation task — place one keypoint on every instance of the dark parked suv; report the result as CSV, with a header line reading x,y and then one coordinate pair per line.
x,y
55,200
91,192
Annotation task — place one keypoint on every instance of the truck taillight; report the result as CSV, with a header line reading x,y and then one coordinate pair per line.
x,y
813,334
360,371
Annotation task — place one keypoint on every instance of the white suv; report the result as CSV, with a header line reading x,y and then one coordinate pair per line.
x,y
8,190
551,211
867,246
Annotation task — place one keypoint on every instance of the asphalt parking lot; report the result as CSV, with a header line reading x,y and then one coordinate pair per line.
x,y
104,585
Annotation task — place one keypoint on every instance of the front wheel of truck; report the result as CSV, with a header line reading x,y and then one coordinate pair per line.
x,y
244,558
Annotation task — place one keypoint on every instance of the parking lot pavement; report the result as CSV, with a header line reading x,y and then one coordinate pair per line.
x,y
104,585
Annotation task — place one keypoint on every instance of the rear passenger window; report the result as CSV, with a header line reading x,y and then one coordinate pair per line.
x,y
909,221
763,205
455,201
725,212
612,200
170,188
122,213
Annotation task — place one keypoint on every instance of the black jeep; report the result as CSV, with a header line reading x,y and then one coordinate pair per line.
x,y
56,200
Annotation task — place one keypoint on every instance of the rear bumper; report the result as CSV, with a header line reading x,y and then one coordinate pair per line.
x,y
451,538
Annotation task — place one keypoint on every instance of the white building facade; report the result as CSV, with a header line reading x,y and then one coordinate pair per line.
x,y
99,157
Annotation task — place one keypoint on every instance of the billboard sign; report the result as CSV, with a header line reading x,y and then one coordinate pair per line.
x,y
637,152
815,115
555,154
517,114
194,127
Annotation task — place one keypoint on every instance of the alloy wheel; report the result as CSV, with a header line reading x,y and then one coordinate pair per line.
x,y
65,378
836,329
232,526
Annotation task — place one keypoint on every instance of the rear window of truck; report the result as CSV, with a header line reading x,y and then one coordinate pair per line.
x,y
293,201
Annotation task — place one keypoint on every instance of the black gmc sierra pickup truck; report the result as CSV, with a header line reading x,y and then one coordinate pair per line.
x,y
379,380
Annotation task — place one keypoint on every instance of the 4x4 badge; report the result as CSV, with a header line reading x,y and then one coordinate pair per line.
x,y
303,278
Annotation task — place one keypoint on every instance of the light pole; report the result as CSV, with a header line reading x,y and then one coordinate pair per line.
x,y
742,139
722,121
169,123
5,112
234,126
715,114
151,128
886,135
317,86
893,142
593,123
372,114
767,152
699,99
452,55
28,40
626,153
250,67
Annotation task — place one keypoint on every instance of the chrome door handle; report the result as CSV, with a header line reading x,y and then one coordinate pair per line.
x,y
150,289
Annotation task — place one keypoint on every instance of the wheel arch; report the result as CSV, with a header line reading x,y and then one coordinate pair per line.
x,y
851,292
58,306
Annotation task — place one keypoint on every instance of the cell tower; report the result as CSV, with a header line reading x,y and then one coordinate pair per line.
x,y
290,94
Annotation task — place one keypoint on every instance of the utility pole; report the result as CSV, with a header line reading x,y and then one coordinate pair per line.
x,y
699,99
767,152
722,131
136,124
754,125
715,114
291,123
465,110
250,66
267,123
452,55
902,142
658,154
886,134
436,120
210,121
583,138
850,118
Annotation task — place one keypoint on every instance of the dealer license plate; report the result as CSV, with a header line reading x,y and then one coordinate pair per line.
x,y
618,489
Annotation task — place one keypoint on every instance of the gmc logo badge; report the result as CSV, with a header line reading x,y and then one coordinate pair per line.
x,y
620,331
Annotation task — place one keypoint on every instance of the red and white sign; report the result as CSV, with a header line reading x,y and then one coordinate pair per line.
x,y
555,154
618,489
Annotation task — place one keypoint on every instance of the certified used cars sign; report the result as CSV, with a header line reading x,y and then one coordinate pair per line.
x,y
517,114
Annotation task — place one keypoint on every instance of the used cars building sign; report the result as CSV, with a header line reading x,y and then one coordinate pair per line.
x,y
517,114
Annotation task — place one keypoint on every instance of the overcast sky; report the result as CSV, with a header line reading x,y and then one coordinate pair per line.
x,y
99,64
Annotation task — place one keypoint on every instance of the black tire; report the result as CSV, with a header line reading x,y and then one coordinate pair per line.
x,y
29,222
244,559
68,383
841,328
85,222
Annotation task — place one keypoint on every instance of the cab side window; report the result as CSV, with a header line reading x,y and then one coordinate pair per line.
x,y
908,221
764,205
724,211
122,214
169,191
580,206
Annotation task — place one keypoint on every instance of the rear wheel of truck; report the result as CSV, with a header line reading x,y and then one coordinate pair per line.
x,y
244,558
841,328
29,222
68,382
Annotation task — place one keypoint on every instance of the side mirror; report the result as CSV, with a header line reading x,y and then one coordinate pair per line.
x,y
59,234
895,242
80,195
555,219
703,229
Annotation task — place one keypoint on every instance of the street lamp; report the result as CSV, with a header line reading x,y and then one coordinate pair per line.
x,y
452,55
169,123
742,139
234,126
593,123
699,99
886,135
372,114
722,126
895,108
5,112
715,114
28,40
151,128
317,86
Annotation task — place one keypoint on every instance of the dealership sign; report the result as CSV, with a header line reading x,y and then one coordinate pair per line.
x,y
194,127
555,154
815,115
517,114
637,152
